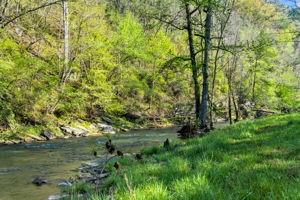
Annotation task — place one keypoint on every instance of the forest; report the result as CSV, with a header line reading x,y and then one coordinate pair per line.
x,y
80,65
157,62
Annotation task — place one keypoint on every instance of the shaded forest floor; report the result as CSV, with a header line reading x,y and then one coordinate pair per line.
x,y
250,160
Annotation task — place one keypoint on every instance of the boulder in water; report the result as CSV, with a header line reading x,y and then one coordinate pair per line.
x,y
39,181
65,183
48,135
77,132
106,128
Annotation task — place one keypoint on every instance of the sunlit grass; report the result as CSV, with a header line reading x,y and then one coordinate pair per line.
x,y
251,160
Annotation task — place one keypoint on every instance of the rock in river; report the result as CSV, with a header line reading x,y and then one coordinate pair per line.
x,y
39,181
48,135
77,132
65,183
106,128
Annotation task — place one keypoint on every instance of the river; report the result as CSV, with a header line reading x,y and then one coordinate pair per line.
x,y
59,159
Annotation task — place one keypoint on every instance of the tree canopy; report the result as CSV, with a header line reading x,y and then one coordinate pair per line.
x,y
148,58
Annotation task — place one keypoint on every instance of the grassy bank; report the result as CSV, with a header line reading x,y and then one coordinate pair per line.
x,y
251,160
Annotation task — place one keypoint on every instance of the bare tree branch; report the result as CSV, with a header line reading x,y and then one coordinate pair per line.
x,y
12,19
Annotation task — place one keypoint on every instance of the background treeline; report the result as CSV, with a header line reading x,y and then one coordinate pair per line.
x,y
131,60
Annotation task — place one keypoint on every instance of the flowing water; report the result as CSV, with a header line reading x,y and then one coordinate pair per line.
x,y
59,159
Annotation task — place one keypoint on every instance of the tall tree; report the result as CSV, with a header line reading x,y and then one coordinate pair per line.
x,y
205,66
222,18
66,69
193,60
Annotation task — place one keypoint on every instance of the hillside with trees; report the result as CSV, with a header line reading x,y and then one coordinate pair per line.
x,y
149,99
148,63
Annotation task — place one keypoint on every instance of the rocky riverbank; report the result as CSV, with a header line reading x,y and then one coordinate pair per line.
x,y
78,129
92,172
66,131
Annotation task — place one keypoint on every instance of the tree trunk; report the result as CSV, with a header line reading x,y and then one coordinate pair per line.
x,y
66,69
229,101
229,82
235,104
65,72
193,62
207,46
223,25
254,82
236,110
213,89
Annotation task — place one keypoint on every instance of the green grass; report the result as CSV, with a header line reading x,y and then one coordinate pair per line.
x,y
250,160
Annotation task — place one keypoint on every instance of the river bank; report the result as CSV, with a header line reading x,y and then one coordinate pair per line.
x,y
24,134
59,159
65,132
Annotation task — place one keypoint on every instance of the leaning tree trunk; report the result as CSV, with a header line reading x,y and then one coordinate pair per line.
x,y
207,41
193,61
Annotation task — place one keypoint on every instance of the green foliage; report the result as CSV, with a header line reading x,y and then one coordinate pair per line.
x,y
123,61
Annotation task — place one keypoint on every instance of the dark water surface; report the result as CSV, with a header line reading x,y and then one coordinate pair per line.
x,y
58,159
